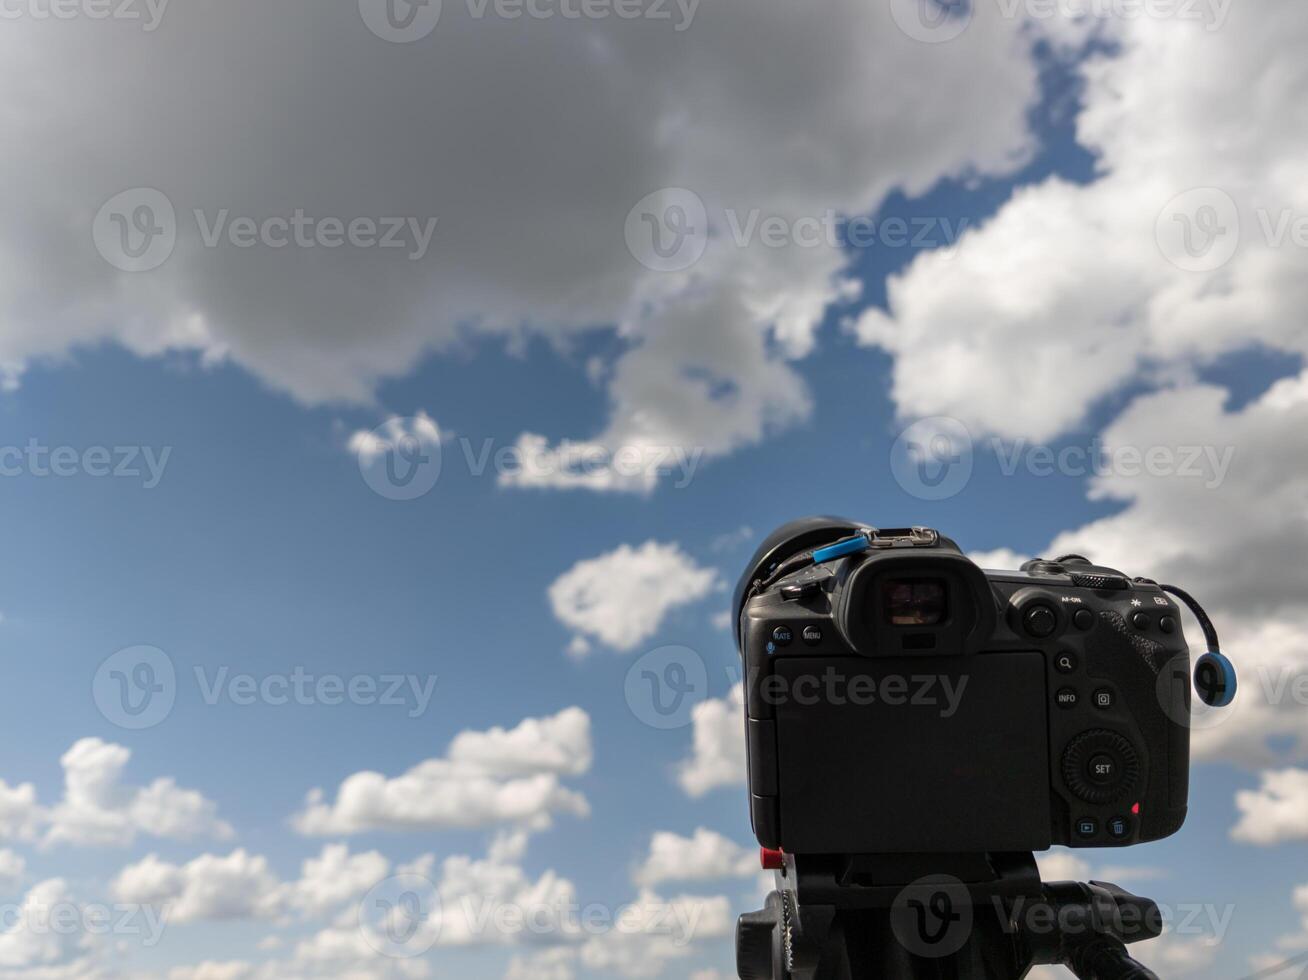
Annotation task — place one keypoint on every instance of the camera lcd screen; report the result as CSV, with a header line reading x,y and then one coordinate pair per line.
x,y
914,601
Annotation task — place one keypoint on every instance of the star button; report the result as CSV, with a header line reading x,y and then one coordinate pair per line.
x,y
1136,602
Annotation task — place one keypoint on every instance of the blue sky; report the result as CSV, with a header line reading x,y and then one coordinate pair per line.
x,y
262,549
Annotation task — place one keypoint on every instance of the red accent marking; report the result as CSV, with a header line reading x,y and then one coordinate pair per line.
x,y
1135,809
772,860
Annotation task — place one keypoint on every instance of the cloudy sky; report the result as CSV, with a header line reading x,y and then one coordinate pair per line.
x,y
392,393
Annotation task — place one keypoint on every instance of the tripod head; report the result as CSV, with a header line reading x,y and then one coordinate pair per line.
x,y
942,917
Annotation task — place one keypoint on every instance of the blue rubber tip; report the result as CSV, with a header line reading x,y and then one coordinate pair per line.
x,y
850,546
1214,679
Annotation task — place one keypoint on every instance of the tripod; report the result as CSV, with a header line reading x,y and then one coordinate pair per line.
x,y
939,917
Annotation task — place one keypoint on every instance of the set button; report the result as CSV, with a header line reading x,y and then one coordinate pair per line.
x,y
1102,769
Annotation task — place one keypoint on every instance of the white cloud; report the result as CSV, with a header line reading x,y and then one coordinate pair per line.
x,y
13,869
657,931
622,597
1062,865
1275,812
1065,865
213,970
493,777
392,435
551,964
532,243
1000,558
705,856
36,941
718,757
98,809
1066,295
336,877
238,886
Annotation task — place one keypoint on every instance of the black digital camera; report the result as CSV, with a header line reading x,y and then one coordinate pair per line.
x,y
899,699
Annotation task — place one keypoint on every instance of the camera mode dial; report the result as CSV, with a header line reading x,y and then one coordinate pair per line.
x,y
1101,766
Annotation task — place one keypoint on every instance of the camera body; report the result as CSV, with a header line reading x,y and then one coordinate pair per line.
x,y
899,699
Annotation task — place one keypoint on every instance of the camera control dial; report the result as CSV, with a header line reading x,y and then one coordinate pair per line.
x,y
1101,766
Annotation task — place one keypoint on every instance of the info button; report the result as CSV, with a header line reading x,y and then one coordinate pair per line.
x,y
1067,698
